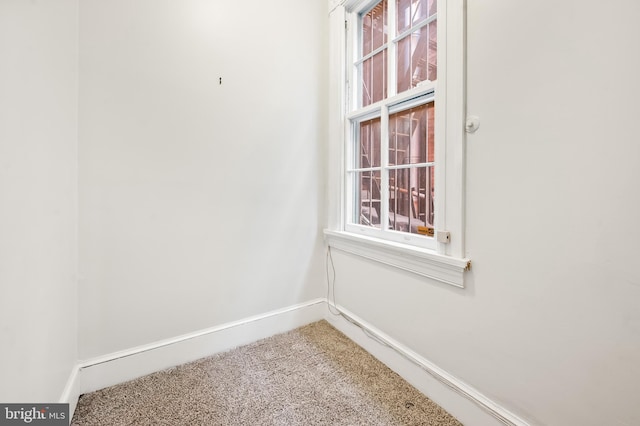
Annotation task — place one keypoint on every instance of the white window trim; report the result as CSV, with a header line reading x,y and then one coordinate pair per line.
x,y
447,262
420,261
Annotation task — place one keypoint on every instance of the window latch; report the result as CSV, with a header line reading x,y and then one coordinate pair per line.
x,y
443,237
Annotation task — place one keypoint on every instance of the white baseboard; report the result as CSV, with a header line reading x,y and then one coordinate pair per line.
x,y
71,391
119,367
461,400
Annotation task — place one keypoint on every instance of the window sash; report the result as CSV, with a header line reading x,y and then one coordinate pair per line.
x,y
390,47
354,190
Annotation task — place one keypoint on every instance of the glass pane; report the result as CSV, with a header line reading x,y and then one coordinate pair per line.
x,y
411,134
367,94
418,10
433,7
399,138
379,24
403,65
412,60
419,44
374,28
431,191
369,144
432,54
431,125
394,199
366,34
367,209
411,204
374,78
399,209
403,12
380,76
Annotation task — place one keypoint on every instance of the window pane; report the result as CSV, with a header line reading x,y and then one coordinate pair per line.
x,y
403,15
379,27
366,71
425,205
369,144
419,45
403,75
394,199
412,60
432,54
431,120
374,28
411,207
418,11
366,34
368,204
411,134
380,76
374,78
433,6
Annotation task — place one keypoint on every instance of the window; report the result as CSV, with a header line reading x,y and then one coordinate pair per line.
x,y
391,150
397,78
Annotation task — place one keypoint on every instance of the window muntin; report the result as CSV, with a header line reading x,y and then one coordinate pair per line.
x,y
391,177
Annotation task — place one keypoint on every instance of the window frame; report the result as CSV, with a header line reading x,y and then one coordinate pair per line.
x,y
441,260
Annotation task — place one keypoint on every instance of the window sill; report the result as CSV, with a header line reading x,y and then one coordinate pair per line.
x,y
420,261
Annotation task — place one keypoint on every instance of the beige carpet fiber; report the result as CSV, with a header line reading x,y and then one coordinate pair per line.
x,y
313,375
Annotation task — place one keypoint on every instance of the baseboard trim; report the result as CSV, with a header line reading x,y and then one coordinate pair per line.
x,y
118,367
461,400
71,391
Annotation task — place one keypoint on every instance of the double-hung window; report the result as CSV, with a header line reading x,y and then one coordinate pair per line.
x,y
390,169
397,78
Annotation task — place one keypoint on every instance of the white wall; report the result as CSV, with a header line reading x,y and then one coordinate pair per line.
x,y
172,239
549,324
199,201
38,166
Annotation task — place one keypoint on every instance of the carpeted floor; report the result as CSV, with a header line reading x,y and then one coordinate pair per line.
x,y
313,375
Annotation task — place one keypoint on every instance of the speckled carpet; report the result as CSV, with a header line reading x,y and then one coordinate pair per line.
x,y
313,375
